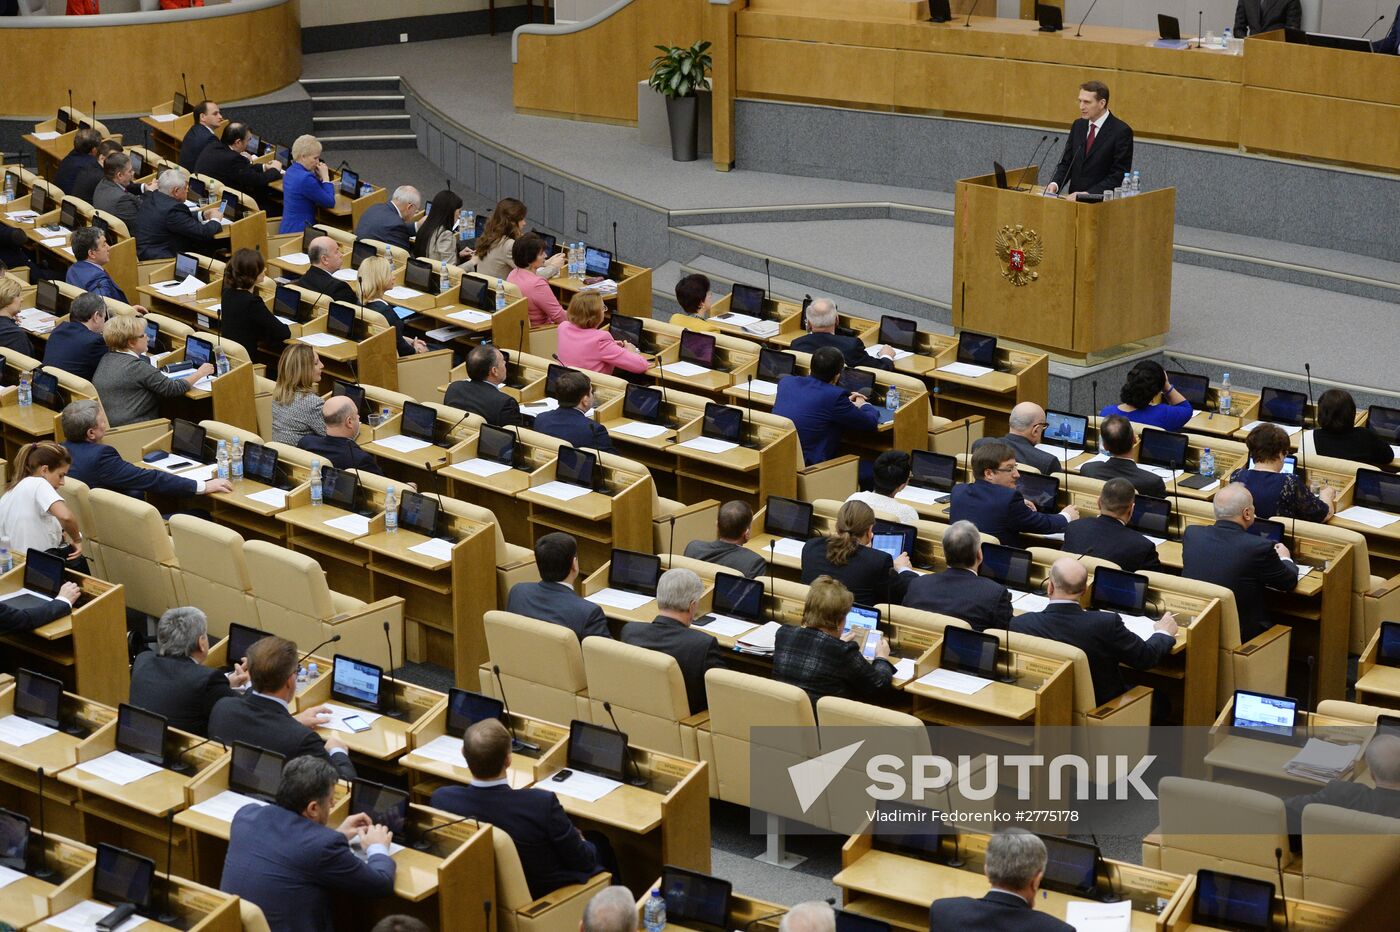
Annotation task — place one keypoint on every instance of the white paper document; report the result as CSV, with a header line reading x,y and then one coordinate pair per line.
x,y
1162,472
357,525
535,408
763,328
54,242
1324,760
606,286
17,731
561,491
436,548
879,348
585,786
470,317
8,876
296,258
174,462
1368,516
1395,451
274,497
1029,601
402,293
164,117
1140,625
684,369
321,339
116,767
761,640
965,369
708,445
788,547
345,275
725,625
1290,431
1099,917
618,598
904,669
735,319
22,215
953,681
340,713
483,468
444,749
912,493
759,387
1303,569
225,805
46,135
641,429
84,916
1060,453
402,444
174,289
444,334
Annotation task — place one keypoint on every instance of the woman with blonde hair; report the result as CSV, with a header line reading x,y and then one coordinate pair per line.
x,y
32,513
376,277
583,343
494,248
12,335
819,659
129,387
305,186
873,576
296,406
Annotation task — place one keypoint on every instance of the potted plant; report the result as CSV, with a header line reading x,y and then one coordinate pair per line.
x,y
677,74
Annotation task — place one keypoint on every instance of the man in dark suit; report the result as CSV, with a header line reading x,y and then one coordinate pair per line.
x,y
735,526
1390,45
1226,554
821,332
1100,147
82,159
1383,761
173,680
226,160
76,345
552,851
821,409
678,595
342,420
14,620
90,175
1102,636
1015,864
1107,535
389,222
117,192
100,466
203,132
553,598
89,273
326,260
958,591
164,225
993,503
570,421
1120,442
285,858
480,393
1255,16
1026,426
263,717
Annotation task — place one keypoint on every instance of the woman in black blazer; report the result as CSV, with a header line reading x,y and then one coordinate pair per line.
x,y
871,575
244,317
1337,434
816,658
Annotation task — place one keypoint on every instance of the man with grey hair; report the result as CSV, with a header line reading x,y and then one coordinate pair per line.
x,y
959,590
811,916
100,466
822,317
173,681
165,227
76,345
1025,427
1226,554
612,910
678,595
1383,761
326,260
391,222
1014,867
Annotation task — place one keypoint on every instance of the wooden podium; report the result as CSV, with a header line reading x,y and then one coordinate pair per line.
x,y
1075,279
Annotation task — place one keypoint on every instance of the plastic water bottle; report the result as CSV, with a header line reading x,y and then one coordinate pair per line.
x,y
221,458
7,562
1137,182
391,511
235,459
444,279
313,670
654,913
1127,188
384,415
301,673
1207,463
220,362
1226,36
10,188
892,398
500,294
468,224
26,390
1223,397
578,260
315,482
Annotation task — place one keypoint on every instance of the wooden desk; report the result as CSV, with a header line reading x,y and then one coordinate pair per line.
x,y
20,766
619,515
78,648
497,492
1377,683
633,297
1259,764
428,773
197,908
1041,694
508,328
335,549
26,901
768,467
1301,914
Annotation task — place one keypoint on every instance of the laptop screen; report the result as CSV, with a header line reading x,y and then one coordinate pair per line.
x,y
349,183
894,538
698,348
738,597
1267,716
634,572
140,732
1388,650
932,470
384,805
356,680
475,292
1160,448
575,467
1151,515
1194,388
627,329
746,299
967,651
858,381
122,877
496,445
418,513
14,840
787,517
899,332
1282,406
43,572
1227,901
596,261
774,364
723,423
1381,489
419,421
46,297
465,708
255,771
977,349
37,696
1070,865
1119,591
597,750
1384,421
1041,490
1062,428
1010,566
695,899
640,403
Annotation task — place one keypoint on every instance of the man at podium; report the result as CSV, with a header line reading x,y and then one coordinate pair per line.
x,y
1100,148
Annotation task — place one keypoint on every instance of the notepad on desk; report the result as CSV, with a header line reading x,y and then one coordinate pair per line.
x,y
402,444
684,369
724,625
619,598
340,713
54,242
708,445
954,681
966,370
224,806
1288,429
118,768
761,640
46,135
357,525
763,328
345,275
1029,601
579,785
735,319
482,468
1086,916
321,339
903,669
296,258
165,117
640,429
84,917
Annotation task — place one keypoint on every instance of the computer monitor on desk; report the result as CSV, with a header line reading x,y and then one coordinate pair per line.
x,y
1265,717
597,750
696,901
1281,406
1194,388
255,771
1224,901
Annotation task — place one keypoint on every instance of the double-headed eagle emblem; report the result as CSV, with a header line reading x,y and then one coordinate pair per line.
x,y
1021,250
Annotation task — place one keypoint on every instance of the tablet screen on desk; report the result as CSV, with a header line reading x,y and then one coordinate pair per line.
x,y
1258,715
185,266
418,421
1118,591
383,804
1384,421
140,733
46,296
356,681
43,572
496,445
39,199
971,652
774,364
338,487
1010,566
340,320
641,404
932,470
1270,530
746,299
787,517
44,386
697,348
476,292
240,638
465,708
626,329
122,877
575,466
418,276
899,332
723,423
255,771
1070,866
37,697
859,381
1282,406
597,750
1151,515
286,302
977,349
349,183
198,351
551,379
695,899
895,538
1042,491
1163,448
861,619
1377,489
1227,901
904,828
355,393
596,261
738,597
418,513
14,840
68,215
361,251
1062,428
634,572
1388,650
1194,388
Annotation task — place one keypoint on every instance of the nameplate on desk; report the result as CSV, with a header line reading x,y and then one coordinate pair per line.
x,y
619,598
84,916
274,497
912,493
321,339
684,369
340,713
403,444
640,429
402,293
469,316
723,624
788,547
350,524
954,682
116,767
225,805
483,468
202,320
708,445
17,731
967,370
1368,516
585,786
561,491
444,749
435,548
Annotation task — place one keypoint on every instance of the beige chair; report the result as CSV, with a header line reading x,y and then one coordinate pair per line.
x,y
675,524
955,437
214,572
836,478
1352,711
295,602
252,917
647,693
1373,598
1346,854
262,404
77,496
1256,823
560,910
541,667
422,374
136,551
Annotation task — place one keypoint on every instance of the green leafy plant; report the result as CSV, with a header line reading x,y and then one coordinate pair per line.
x,y
679,71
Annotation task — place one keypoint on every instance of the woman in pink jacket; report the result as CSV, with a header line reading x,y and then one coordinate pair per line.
x,y
528,253
584,346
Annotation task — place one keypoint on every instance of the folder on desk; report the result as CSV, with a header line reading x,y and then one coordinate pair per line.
x,y
760,641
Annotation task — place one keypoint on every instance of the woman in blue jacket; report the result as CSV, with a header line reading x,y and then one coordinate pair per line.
x,y
305,186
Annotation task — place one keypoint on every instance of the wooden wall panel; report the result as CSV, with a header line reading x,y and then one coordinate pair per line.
x,y
849,74
1351,131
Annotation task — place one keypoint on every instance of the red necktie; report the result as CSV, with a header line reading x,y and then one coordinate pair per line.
x,y
1089,143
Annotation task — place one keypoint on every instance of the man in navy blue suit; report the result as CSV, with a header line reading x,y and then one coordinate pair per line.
x,y
388,223
1390,45
993,503
820,408
92,251
552,851
342,419
287,861
570,421
100,466
1015,864
76,345
822,316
